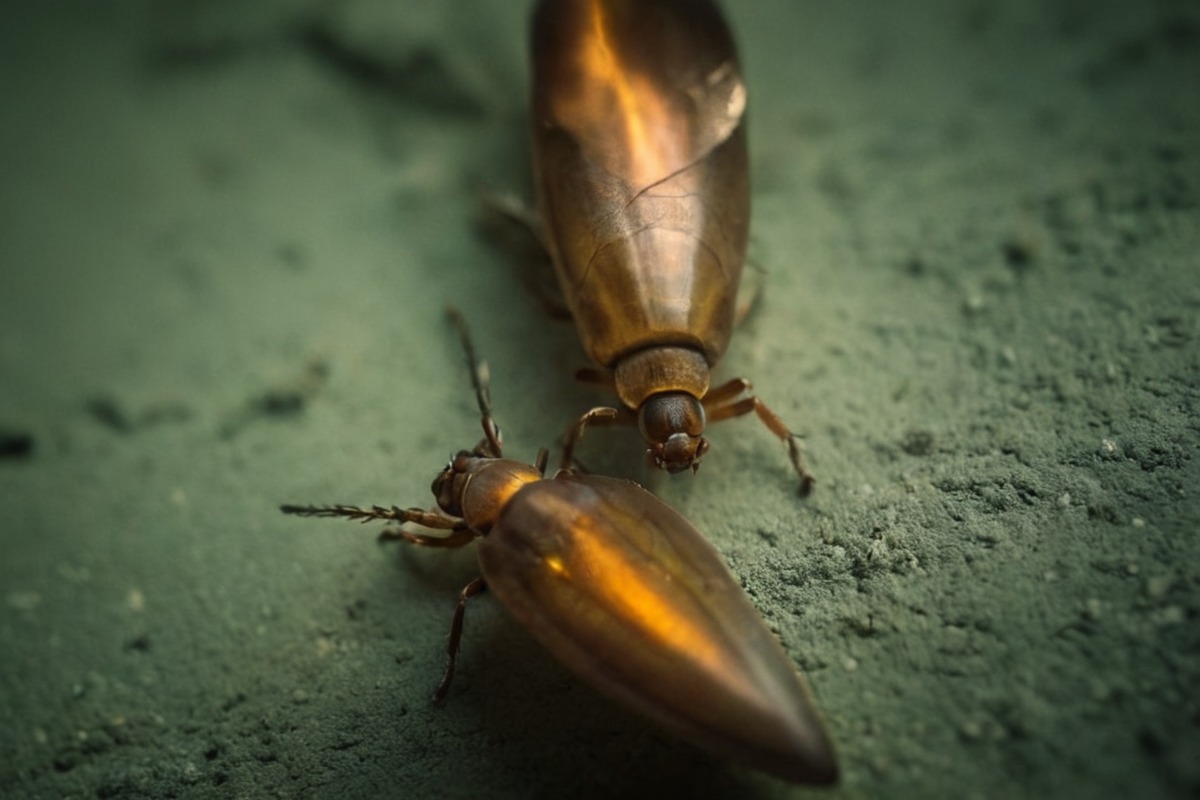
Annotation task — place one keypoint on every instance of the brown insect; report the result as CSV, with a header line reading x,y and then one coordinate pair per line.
x,y
639,149
623,591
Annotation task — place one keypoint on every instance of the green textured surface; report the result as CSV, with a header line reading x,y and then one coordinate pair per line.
x,y
981,225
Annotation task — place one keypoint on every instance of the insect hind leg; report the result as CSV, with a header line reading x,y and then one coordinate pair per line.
x,y
456,628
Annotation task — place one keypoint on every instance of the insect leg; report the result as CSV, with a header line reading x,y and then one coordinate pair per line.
x,y
456,625
719,404
750,292
723,394
597,377
461,536
601,415
517,229
543,458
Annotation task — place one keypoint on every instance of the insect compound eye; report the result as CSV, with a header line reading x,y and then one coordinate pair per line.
x,y
443,490
672,424
440,480
448,485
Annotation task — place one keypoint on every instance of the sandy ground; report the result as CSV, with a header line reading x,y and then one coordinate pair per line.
x,y
226,238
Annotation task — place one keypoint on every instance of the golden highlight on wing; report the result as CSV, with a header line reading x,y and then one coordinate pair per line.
x,y
633,588
654,135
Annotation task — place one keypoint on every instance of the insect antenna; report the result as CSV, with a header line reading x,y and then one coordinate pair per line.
x,y
481,380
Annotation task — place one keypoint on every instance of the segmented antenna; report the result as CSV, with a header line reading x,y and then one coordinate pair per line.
x,y
481,380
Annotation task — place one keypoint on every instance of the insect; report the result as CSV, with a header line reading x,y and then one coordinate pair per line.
x,y
641,173
623,591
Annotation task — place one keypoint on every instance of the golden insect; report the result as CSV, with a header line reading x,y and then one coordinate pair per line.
x,y
622,590
640,165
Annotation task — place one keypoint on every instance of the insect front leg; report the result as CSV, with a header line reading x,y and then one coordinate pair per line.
x,y
458,538
602,415
723,403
